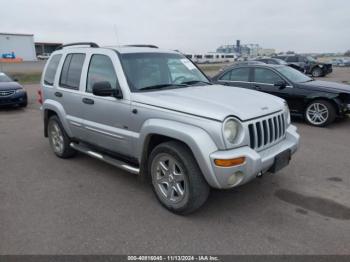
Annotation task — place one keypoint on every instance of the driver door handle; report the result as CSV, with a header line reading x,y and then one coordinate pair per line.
x,y
88,101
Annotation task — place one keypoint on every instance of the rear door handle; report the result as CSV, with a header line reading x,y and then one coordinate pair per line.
x,y
88,101
58,94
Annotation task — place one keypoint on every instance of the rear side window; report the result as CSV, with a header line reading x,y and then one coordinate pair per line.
x,y
71,71
51,70
100,70
239,74
266,76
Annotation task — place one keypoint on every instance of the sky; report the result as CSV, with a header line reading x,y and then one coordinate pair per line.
x,y
186,25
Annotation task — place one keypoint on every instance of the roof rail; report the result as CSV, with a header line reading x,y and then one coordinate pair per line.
x,y
150,46
91,44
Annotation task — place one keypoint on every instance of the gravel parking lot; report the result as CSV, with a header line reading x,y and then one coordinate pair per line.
x,y
83,206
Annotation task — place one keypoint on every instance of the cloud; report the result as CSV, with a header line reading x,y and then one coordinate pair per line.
x,y
188,25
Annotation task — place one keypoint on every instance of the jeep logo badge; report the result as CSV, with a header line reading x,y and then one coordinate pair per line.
x,y
264,108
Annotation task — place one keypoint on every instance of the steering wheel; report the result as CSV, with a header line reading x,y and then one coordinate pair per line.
x,y
177,79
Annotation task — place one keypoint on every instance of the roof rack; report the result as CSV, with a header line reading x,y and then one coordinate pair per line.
x,y
150,46
91,44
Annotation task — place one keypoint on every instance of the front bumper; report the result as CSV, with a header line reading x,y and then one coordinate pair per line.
x,y
327,70
17,98
256,162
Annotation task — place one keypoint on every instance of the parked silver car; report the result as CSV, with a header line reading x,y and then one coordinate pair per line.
x,y
153,112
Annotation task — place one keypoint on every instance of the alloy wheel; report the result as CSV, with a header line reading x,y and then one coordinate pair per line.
x,y
56,137
169,178
317,114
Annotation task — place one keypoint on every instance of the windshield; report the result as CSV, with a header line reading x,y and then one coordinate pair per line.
x,y
311,59
293,74
160,70
4,78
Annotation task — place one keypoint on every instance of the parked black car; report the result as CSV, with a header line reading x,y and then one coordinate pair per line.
x,y
11,92
320,102
307,65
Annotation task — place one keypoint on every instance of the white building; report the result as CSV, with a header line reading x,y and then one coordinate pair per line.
x,y
22,45
266,51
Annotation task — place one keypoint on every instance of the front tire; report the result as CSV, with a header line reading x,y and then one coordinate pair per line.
x,y
317,72
59,140
320,113
177,180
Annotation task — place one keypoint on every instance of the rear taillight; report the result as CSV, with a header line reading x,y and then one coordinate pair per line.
x,y
40,97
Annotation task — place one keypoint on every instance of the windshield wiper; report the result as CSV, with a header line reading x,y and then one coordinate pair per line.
x,y
154,87
193,82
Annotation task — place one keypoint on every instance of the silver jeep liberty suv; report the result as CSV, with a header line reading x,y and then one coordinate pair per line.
x,y
153,112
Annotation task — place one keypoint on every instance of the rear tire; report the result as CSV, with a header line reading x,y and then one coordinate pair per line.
x,y
177,180
320,113
59,140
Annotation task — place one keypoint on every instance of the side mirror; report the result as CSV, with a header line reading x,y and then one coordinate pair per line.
x,y
281,84
15,79
105,89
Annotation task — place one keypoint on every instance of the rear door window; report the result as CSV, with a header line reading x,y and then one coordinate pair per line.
x,y
71,71
51,70
266,76
239,75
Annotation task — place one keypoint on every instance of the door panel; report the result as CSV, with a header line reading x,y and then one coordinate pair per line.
x,y
264,80
106,122
106,118
68,92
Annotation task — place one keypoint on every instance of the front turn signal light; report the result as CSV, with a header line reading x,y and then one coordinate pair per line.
x,y
229,162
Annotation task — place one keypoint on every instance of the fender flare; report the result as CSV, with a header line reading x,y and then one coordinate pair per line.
x,y
59,110
197,139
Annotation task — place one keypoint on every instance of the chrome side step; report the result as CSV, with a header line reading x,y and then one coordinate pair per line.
x,y
110,160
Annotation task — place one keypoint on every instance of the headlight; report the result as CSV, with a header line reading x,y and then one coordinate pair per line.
x,y
287,114
231,128
19,91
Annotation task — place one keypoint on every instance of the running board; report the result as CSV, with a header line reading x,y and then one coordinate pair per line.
x,y
110,160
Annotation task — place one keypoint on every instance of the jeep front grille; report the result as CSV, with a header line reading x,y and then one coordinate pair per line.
x,y
266,132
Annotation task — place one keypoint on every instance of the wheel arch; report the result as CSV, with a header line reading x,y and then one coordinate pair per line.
x,y
198,141
50,108
332,98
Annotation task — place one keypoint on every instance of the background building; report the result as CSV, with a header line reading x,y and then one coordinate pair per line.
x,y
245,50
266,52
45,48
19,45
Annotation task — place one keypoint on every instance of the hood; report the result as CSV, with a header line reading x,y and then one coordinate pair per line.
x,y
213,101
332,87
9,86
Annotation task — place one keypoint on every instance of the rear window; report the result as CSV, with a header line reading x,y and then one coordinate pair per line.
x,y
51,70
71,71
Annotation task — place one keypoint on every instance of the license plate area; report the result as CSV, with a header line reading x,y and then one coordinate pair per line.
x,y
281,160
